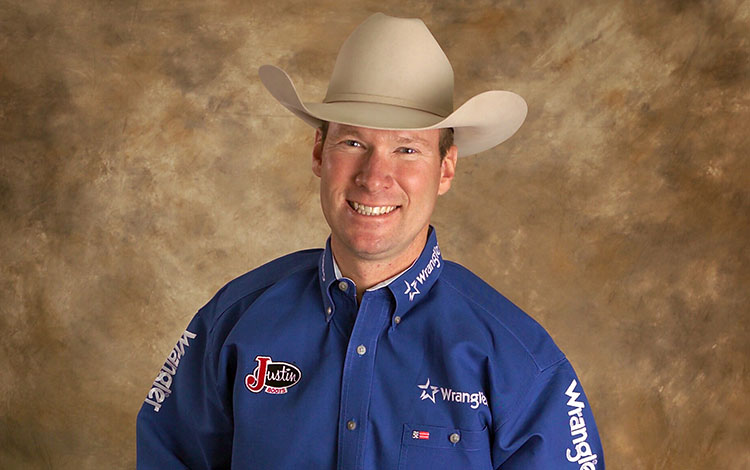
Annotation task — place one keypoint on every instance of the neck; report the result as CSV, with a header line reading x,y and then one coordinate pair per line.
x,y
367,272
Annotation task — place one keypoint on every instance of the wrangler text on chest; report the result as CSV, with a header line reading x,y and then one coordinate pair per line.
x,y
273,377
429,392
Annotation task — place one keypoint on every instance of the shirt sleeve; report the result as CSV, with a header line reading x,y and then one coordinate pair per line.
x,y
186,420
552,427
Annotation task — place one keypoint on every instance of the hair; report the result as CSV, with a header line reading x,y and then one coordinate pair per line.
x,y
445,142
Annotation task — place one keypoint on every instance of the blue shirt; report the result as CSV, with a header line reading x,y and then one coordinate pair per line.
x,y
283,370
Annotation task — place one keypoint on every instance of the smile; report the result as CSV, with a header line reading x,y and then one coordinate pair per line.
x,y
371,210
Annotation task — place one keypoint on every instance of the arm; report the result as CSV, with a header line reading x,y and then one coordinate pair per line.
x,y
552,427
186,420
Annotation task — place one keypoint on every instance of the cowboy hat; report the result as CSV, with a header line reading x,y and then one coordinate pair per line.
x,y
392,74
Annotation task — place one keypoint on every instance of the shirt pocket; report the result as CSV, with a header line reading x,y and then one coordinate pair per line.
x,y
436,448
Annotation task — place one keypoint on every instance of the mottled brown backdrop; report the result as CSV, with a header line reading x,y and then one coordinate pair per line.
x,y
142,165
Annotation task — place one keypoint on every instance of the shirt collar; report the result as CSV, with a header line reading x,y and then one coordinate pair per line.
x,y
408,288
412,286
326,277
337,274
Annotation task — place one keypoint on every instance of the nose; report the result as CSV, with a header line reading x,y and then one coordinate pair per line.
x,y
376,171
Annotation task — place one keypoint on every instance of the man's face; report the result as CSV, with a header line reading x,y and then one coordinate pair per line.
x,y
378,190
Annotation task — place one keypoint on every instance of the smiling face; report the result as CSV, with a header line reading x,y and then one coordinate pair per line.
x,y
378,190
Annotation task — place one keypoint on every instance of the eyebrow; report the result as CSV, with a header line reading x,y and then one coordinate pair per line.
x,y
348,131
354,132
407,140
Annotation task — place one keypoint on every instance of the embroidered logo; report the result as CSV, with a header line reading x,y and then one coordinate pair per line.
x,y
421,435
447,394
162,387
425,395
424,274
409,290
273,376
582,453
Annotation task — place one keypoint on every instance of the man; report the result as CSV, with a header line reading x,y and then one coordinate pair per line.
x,y
373,353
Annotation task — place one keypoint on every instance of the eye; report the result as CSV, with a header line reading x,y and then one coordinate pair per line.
x,y
407,150
352,143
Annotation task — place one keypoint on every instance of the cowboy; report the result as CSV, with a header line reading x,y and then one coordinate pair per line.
x,y
374,352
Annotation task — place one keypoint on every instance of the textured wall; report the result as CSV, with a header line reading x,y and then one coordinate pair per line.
x,y
142,166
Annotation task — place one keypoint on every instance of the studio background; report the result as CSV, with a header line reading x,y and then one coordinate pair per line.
x,y
143,165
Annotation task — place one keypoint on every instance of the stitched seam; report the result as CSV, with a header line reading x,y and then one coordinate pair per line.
x,y
264,286
524,395
505,327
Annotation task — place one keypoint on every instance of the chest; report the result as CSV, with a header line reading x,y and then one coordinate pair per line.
x,y
358,391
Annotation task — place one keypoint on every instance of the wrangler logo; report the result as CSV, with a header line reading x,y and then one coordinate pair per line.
x,y
432,264
162,388
582,454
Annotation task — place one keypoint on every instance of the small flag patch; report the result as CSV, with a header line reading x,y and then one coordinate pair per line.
x,y
420,434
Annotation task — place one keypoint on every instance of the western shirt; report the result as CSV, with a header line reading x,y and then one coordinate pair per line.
x,y
283,369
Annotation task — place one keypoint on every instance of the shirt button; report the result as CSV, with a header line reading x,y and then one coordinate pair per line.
x,y
361,349
351,425
397,319
343,286
329,310
454,438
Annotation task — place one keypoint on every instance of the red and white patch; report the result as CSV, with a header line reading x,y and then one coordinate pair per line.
x,y
273,377
422,435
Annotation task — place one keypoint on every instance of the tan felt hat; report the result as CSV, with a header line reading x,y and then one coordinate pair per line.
x,y
392,74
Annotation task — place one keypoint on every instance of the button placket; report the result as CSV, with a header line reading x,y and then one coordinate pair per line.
x,y
371,320
343,307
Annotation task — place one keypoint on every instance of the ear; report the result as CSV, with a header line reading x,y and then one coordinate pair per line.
x,y
317,153
448,170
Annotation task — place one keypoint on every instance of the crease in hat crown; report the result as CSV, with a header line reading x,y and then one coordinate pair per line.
x,y
387,60
392,74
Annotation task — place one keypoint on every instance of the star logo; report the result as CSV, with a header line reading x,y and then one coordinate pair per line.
x,y
428,395
411,289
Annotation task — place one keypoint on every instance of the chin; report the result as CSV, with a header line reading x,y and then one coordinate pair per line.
x,y
369,250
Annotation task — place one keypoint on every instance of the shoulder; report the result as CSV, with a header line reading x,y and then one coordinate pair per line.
x,y
245,288
507,322
266,275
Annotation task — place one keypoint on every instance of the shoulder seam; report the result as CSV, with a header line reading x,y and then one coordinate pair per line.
x,y
262,287
518,340
525,394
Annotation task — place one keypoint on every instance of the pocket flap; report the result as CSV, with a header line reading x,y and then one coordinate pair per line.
x,y
444,437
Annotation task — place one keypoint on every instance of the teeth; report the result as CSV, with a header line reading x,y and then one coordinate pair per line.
x,y
369,210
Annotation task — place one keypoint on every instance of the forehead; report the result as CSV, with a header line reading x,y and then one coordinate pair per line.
x,y
425,137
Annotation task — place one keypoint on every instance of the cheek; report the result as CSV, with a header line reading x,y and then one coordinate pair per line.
x,y
422,185
337,170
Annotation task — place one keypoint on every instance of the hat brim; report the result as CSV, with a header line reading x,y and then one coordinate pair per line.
x,y
481,123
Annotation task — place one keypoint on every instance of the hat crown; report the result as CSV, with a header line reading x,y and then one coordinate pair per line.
x,y
393,61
